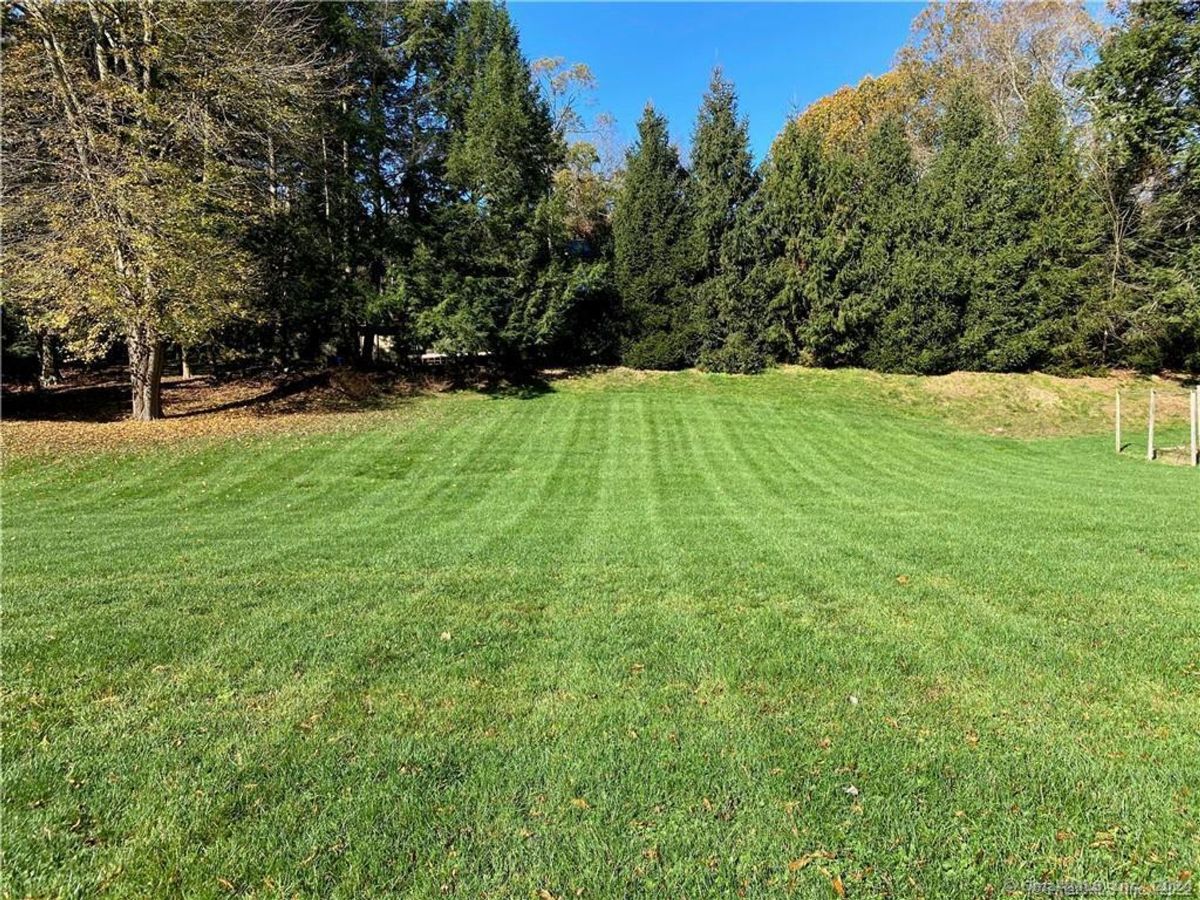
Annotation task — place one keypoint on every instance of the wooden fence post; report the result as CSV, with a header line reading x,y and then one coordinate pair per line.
x,y
1118,420
1150,430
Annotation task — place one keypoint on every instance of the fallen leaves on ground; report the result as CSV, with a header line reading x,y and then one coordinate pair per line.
x,y
91,418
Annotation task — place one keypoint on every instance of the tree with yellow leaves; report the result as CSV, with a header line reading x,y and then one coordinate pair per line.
x,y
141,141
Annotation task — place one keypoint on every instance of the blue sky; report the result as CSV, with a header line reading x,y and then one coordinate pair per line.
x,y
781,56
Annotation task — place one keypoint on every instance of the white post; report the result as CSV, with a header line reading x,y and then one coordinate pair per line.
x,y
1118,420
1194,458
1150,431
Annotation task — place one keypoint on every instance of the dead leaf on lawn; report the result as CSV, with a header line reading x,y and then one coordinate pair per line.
x,y
800,862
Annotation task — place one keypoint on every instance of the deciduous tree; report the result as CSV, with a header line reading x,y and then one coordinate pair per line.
x,y
140,137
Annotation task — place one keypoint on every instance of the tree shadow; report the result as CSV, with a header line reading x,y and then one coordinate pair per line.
x,y
105,402
525,389
105,396
280,392
108,400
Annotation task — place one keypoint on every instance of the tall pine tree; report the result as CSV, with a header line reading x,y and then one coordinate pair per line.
x,y
652,232
800,231
722,182
499,164
885,269
953,273
1054,229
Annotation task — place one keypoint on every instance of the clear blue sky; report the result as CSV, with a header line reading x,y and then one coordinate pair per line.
x,y
781,56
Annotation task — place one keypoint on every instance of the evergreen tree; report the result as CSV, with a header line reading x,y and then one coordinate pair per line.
x,y
1053,227
954,273
885,270
652,228
500,164
722,181
1146,90
802,220
722,172
833,284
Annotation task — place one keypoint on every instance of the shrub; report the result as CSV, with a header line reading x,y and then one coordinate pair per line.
x,y
659,350
737,356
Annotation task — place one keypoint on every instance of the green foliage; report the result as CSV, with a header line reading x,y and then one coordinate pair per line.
x,y
802,231
722,172
498,295
501,159
948,270
737,355
721,184
1055,230
1146,89
401,169
652,227
885,269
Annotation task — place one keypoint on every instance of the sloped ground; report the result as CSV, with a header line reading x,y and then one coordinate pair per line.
x,y
1039,405
91,417
636,635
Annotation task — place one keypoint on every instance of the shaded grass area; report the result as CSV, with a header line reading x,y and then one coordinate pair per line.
x,y
682,634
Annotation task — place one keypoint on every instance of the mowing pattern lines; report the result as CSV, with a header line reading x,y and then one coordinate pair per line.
x,y
604,638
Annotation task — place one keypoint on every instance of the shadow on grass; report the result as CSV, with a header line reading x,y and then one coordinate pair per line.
x,y
523,389
530,385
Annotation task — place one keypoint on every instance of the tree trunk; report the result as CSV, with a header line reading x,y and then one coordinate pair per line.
x,y
145,373
367,355
185,367
47,345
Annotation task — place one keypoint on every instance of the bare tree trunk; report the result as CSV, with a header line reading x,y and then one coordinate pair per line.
x,y
47,346
145,373
325,194
272,177
185,367
368,347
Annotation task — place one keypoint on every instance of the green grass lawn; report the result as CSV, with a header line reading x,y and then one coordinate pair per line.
x,y
675,635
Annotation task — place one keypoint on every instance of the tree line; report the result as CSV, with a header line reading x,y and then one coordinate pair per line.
x,y
287,181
